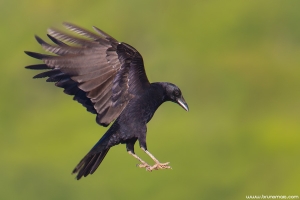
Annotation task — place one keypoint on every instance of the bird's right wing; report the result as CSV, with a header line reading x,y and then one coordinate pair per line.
x,y
101,73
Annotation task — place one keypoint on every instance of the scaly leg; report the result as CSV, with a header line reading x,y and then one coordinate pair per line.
x,y
157,164
143,163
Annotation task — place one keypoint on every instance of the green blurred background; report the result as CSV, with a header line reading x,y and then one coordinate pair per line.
x,y
237,63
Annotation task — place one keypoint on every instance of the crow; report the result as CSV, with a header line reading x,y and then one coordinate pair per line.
x,y
108,78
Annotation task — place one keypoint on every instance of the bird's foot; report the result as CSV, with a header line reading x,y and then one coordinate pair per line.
x,y
143,165
158,166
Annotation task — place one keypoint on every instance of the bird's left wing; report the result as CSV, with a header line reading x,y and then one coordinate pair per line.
x,y
101,73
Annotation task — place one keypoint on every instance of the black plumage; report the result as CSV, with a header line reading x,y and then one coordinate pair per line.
x,y
108,78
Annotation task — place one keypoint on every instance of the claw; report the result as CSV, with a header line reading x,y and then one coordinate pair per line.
x,y
158,166
143,165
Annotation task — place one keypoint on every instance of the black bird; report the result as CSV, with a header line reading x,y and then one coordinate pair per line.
x,y
108,78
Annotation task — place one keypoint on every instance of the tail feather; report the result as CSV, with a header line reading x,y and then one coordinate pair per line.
x,y
98,162
89,164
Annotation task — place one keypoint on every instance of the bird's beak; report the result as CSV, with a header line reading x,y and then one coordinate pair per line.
x,y
182,103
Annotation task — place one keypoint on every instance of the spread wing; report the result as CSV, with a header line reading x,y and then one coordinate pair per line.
x,y
101,73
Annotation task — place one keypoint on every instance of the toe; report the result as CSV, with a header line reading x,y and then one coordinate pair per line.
x,y
167,163
143,165
149,169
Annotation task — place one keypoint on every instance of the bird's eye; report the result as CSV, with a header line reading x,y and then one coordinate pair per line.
x,y
176,93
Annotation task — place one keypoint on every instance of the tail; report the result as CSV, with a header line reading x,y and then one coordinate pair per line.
x,y
89,163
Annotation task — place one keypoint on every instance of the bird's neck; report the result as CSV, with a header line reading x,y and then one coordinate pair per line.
x,y
152,99
157,93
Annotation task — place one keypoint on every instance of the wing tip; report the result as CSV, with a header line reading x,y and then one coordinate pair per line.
x,y
103,34
39,40
38,67
34,55
56,41
69,25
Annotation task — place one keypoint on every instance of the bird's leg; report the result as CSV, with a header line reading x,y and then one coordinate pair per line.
x,y
143,163
130,150
157,164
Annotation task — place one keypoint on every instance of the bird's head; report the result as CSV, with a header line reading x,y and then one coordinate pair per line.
x,y
174,94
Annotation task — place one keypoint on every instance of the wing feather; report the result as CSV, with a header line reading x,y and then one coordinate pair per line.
x,y
101,73
94,83
100,90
